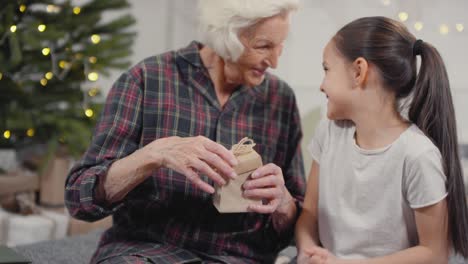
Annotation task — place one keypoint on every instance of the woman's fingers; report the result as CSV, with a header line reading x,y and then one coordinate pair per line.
x,y
219,150
198,155
219,164
264,208
267,181
195,179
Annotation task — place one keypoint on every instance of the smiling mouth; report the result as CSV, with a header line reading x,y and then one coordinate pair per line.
x,y
259,72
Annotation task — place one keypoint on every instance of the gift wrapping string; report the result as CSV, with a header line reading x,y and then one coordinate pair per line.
x,y
243,148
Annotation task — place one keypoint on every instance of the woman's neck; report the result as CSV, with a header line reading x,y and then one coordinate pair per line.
x,y
217,71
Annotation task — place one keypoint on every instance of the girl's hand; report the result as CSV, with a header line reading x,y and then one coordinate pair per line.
x,y
316,255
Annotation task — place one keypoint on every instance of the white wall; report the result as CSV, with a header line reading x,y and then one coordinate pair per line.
x,y
168,24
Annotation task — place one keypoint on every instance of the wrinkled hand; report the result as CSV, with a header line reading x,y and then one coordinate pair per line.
x,y
266,183
191,156
315,255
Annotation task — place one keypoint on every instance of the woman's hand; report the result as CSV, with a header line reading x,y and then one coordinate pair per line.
x,y
194,155
267,183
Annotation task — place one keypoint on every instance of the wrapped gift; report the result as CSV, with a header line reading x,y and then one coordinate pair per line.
x,y
17,229
228,198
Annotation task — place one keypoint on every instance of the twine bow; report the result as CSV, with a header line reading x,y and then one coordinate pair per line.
x,y
244,146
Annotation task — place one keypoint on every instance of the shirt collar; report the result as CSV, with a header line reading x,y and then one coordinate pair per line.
x,y
191,54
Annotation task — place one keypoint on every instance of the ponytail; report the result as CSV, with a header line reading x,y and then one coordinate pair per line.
x,y
433,112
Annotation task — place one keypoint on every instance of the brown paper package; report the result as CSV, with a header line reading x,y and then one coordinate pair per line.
x,y
228,198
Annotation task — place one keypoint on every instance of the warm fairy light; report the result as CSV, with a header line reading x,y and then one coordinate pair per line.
x,y
76,10
89,112
7,134
53,9
43,81
45,51
403,16
93,92
92,59
95,38
444,29
30,132
63,64
13,28
49,75
22,8
41,28
418,26
386,2
93,76
78,56
459,27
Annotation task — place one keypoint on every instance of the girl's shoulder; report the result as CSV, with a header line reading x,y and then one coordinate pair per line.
x,y
416,143
334,131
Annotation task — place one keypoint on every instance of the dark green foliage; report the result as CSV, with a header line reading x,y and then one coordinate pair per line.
x,y
56,111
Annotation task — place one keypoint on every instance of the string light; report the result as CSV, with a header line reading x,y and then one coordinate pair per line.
x,y
92,59
7,134
13,28
30,132
78,56
93,92
76,10
95,38
41,28
89,112
93,76
43,81
444,29
49,75
459,27
418,26
63,64
53,9
22,8
403,16
45,51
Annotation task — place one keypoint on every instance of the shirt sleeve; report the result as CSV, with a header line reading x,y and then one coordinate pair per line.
x,y
116,135
317,144
424,183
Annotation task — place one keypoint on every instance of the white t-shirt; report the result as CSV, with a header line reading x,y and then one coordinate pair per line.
x,y
367,197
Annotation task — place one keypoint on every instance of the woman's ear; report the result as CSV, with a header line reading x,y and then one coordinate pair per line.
x,y
360,72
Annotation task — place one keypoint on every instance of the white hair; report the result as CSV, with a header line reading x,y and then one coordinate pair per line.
x,y
221,21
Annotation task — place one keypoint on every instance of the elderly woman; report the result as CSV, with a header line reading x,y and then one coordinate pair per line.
x,y
161,145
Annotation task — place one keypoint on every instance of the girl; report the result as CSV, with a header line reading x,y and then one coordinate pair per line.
x,y
383,188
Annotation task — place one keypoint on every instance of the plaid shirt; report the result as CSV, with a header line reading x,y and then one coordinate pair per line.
x,y
173,95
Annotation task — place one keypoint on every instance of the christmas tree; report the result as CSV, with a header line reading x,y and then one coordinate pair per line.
x,y
51,54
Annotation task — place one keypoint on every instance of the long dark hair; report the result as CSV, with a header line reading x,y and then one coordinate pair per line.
x,y
389,46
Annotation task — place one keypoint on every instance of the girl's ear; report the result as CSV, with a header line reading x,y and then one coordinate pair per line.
x,y
360,72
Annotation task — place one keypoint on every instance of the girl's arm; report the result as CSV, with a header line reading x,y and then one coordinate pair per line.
x,y
307,225
431,222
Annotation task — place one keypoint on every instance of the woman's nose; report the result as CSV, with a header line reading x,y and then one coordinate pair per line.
x,y
273,57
